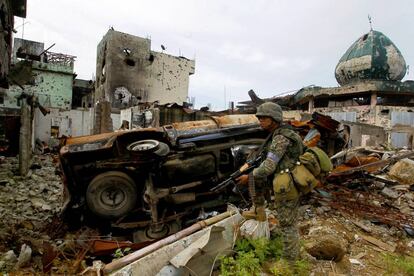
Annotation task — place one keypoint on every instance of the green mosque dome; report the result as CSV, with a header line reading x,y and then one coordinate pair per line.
x,y
372,57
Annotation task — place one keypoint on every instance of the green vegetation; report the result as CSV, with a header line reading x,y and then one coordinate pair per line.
x,y
395,265
282,268
251,254
121,252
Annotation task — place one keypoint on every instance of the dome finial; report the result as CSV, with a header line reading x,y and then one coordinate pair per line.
x,y
370,21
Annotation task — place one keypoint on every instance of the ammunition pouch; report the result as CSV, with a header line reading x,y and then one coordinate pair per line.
x,y
311,162
322,158
317,162
305,181
284,187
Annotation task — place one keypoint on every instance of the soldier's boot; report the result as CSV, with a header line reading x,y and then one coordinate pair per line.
x,y
256,212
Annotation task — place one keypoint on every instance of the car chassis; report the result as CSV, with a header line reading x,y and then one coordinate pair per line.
x,y
152,180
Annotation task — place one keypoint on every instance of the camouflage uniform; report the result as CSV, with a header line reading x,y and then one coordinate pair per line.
x,y
281,153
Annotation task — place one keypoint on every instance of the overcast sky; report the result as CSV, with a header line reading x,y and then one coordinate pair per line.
x,y
270,46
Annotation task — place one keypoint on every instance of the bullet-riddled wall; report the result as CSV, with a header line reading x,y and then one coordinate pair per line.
x,y
128,72
52,84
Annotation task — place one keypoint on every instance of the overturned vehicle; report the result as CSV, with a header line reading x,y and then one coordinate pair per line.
x,y
151,182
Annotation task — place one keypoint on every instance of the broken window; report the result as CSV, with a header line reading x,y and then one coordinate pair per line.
x,y
122,97
129,62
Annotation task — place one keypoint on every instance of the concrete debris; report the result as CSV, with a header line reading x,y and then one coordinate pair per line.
x,y
27,205
391,193
355,261
24,256
364,201
403,171
8,260
37,197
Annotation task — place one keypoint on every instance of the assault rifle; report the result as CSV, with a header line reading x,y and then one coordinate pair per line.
x,y
245,169
251,164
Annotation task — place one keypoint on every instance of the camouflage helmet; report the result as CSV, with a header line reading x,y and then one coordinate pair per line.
x,y
271,110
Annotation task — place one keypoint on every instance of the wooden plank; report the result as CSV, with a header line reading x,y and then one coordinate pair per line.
x,y
378,243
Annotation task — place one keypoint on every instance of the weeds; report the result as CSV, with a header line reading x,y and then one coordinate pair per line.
x,y
119,253
281,268
398,264
302,267
251,254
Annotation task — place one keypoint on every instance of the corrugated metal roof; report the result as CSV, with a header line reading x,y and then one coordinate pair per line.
x,y
343,116
400,139
402,118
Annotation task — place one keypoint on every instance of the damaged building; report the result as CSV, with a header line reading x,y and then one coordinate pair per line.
x,y
129,73
60,105
134,84
372,98
129,76
8,9
9,119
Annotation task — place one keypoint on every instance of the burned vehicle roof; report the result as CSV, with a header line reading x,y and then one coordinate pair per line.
x,y
174,132
157,176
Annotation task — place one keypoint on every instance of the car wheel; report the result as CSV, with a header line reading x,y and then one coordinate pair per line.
x,y
111,194
146,234
145,147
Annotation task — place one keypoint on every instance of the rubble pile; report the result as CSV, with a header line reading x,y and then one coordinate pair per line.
x,y
364,213
28,206
380,189
36,197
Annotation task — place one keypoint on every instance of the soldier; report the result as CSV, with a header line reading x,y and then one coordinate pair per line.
x,y
281,152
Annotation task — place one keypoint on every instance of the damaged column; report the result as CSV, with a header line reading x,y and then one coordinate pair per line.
x,y
25,149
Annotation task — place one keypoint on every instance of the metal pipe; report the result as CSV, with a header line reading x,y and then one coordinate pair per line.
x,y
117,264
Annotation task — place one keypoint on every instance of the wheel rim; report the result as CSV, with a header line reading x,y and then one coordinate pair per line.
x,y
112,197
144,146
146,234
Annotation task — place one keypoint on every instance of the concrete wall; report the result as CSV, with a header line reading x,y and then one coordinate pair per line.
x,y
397,122
366,135
116,121
71,123
53,86
128,72
380,115
169,78
361,113
126,114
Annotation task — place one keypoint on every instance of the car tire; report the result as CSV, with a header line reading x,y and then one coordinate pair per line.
x,y
111,194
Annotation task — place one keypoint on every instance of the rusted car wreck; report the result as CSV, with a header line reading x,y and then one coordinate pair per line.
x,y
150,181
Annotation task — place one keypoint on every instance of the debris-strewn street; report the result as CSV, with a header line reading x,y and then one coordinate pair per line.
x,y
362,225
116,160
